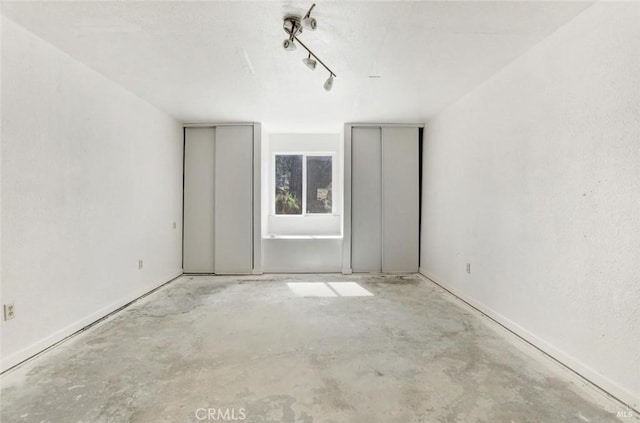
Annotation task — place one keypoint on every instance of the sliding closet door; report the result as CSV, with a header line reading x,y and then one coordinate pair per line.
x,y
234,200
366,200
400,199
198,227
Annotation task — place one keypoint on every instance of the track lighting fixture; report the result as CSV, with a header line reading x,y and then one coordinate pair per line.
x,y
289,45
310,23
311,64
329,84
293,25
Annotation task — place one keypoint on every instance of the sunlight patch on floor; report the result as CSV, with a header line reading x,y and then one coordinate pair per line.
x,y
329,289
349,289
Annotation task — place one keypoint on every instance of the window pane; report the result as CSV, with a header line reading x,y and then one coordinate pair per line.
x,y
288,184
319,184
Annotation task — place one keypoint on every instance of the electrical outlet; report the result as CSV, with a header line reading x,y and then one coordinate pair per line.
x,y
469,268
140,264
175,225
9,311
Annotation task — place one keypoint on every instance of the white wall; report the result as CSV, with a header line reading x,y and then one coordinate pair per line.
x,y
302,254
91,182
534,179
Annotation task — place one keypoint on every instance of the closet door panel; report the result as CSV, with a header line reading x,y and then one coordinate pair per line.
x,y
400,199
366,200
234,200
198,225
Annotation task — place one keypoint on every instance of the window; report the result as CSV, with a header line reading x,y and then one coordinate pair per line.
x,y
303,184
319,184
288,184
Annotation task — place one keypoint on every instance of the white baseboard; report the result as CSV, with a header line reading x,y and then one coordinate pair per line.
x,y
600,381
47,342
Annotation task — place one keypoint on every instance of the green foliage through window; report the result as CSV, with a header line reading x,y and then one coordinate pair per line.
x,y
319,184
288,184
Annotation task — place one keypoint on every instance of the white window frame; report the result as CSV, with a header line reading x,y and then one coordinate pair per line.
x,y
304,182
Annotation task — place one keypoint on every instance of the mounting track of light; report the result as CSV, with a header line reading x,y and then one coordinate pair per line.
x,y
293,25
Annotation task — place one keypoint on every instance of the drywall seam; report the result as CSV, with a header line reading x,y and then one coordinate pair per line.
x,y
22,356
585,372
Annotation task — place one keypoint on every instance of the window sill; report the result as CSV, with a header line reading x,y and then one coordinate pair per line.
x,y
281,216
273,236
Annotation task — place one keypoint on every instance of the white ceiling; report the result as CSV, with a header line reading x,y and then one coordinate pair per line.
x,y
224,61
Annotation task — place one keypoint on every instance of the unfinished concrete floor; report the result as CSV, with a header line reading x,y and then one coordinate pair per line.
x,y
249,349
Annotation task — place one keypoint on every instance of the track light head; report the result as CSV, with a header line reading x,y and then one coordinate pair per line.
x,y
311,63
329,83
289,45
310,23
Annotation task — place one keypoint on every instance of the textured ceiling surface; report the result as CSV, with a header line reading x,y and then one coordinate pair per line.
x,y
224,61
